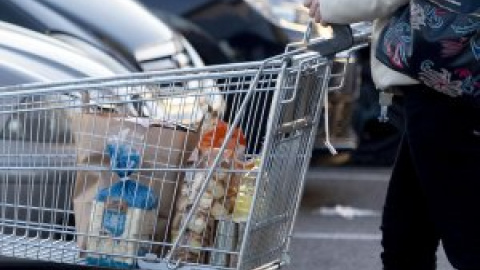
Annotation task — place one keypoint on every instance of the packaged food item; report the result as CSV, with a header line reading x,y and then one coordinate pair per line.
x,y
187,109
246,190
159,146
218,201
215,133
122,214
201,226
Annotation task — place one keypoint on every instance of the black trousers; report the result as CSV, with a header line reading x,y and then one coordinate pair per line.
x,y
434,191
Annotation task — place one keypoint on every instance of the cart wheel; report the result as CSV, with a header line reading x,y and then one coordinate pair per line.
x,y
173,265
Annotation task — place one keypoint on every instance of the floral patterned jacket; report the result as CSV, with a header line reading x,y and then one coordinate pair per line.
x,y
335,11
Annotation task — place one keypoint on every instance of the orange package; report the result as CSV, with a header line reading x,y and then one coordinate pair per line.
x,y
214,137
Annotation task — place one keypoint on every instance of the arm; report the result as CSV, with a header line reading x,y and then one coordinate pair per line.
x,y
350,11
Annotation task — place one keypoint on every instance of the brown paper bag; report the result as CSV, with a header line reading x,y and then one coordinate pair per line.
x,y
160,147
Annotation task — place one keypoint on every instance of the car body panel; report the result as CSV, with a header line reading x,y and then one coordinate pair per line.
x,y
40,52
116,19
40,18
132,42
143,37
205,44
236,24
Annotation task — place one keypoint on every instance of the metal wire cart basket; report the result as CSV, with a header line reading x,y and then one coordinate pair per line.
x,y
188,169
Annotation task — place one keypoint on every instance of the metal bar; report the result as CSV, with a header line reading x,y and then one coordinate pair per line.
x,y
294,95
294,125
80,85
271,266
135,76
267,146
309,153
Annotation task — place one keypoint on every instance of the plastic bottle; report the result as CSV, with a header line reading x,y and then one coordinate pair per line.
x,y
246,191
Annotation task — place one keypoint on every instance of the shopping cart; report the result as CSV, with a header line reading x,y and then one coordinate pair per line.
x,y
48,162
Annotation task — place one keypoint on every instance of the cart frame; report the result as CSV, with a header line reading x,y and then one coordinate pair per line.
x,y
298,81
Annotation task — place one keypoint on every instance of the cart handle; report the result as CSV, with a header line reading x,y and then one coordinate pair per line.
x,y
341,40
344,40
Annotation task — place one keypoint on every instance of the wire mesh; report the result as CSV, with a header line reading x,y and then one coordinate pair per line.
x,y
102,171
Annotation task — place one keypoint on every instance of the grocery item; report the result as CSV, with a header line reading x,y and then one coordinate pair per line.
x,y
215,133
225,241
201,226
159,147
246,190
186,105
218,200
123,212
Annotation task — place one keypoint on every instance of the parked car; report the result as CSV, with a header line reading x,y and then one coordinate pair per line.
x,y
141,43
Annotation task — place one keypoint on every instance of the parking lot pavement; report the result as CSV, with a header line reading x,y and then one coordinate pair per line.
x,y
331,242
335,243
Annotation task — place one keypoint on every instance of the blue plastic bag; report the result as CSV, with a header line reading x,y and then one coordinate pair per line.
x,y
123,158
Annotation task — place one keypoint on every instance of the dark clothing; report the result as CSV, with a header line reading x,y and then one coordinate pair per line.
x,y
434,192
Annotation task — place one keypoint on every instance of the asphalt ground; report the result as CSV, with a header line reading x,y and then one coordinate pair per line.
x,y
326,240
